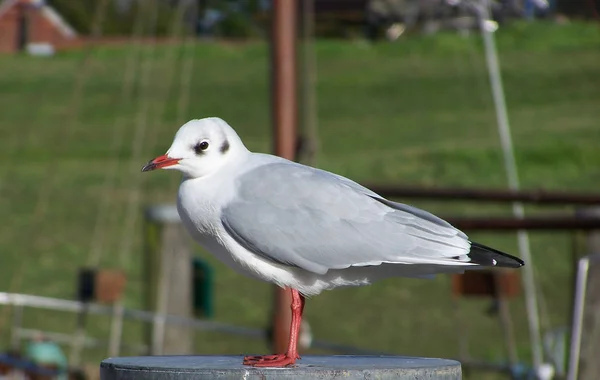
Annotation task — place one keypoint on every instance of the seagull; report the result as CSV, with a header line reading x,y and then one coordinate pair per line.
x,y
303,228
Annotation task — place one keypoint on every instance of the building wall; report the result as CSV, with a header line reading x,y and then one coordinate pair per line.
x,y
39,30
8,30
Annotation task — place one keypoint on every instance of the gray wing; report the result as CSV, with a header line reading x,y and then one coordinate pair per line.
x,y
312,219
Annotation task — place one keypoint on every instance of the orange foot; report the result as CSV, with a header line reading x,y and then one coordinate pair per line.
x,y
279,360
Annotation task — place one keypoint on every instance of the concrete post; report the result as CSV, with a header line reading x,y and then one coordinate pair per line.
x,y
310,367
169,279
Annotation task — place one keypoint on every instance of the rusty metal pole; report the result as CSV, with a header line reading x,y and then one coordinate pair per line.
x,y
284,116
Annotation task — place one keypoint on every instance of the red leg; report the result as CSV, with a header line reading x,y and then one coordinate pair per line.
x,y
289,358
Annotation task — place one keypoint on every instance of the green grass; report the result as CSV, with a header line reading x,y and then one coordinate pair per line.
x,y
415,112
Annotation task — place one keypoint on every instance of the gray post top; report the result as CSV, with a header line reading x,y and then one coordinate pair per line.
x,y
164,213
309,367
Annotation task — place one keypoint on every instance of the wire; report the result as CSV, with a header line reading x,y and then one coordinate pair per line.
x,y
513,181
185,79
41,206
106,215
142,128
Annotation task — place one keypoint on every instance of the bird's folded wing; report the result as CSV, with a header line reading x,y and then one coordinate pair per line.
x,y
312,219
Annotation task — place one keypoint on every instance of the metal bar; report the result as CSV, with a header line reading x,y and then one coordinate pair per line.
x,y
284,115
116,330
527,223
346,350
158,334
483,10
26,300
66,339
546,222
17,322
77,343
485,195
581,284
507,325
576,329
159,322
283,56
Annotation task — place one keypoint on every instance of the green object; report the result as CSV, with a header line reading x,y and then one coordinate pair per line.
x,y
46,352
203,287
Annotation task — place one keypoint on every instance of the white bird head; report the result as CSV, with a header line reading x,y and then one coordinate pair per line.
x,y
200,148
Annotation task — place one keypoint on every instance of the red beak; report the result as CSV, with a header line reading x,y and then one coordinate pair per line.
x,y
160,162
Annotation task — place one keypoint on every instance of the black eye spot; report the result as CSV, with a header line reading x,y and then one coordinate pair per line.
x,y
225,147
201,147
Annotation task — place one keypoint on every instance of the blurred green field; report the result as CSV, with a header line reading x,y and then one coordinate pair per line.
x,y
74,133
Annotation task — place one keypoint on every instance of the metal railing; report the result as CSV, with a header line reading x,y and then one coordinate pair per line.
x,y
117,312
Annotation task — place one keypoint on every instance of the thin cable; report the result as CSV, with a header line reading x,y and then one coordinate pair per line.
x,y
185,80
140,135
41,202
43,199
168,84
544,315
513,180
471,57
82,72
106,215
78,340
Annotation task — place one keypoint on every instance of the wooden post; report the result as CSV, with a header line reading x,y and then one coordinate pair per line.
x,y
284,118
169,278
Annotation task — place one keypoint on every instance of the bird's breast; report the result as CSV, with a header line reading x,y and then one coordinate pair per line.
x,y
197,212
201,216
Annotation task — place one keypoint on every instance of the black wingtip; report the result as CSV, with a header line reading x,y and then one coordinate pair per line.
x,y
486,256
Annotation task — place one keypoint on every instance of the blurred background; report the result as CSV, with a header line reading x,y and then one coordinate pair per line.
x,y
401,95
